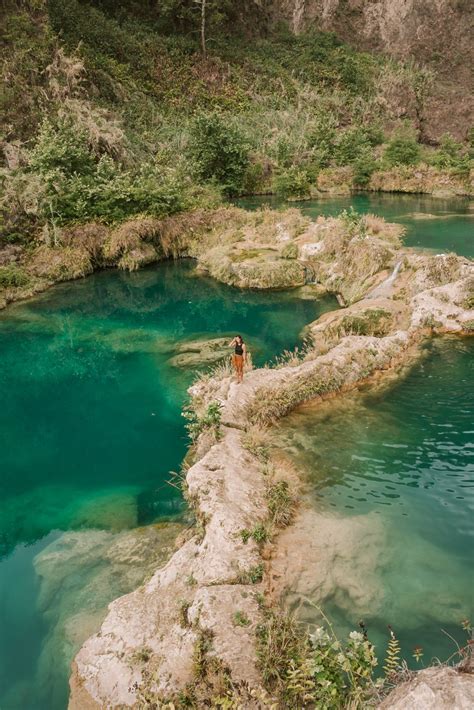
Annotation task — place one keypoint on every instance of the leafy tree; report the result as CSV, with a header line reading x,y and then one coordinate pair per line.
x,y
402,151
220,152
293,182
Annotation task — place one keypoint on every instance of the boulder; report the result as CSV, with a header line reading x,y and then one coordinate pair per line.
x,y
441,688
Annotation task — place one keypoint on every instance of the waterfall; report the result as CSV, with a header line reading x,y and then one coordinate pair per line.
x,y
382,288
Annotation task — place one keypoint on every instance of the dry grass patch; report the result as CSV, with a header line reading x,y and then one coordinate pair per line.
x,y
60,264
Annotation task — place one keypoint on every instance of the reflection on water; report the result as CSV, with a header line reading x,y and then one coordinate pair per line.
x,y
90,427
404,455
431,222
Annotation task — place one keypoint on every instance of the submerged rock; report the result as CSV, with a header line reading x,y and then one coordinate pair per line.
x,y
325,557
112,511
80,573
196,353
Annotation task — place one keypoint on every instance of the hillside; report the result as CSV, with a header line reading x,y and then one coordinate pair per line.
x,y
437,35
115,109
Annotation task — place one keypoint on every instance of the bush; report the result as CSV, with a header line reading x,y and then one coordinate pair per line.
x,y
61,146
350,145
451,155
12,276
321,139
449,152
314,670
254,178
402,151
76,185
364,166
220,152
293,182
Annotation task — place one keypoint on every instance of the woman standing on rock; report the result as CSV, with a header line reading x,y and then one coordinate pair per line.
x,y
239,357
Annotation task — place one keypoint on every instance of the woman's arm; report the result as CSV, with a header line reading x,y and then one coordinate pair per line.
x,y
232,343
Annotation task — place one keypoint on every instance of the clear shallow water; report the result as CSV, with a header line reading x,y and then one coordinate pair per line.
x,y
404,457
432,223
90,425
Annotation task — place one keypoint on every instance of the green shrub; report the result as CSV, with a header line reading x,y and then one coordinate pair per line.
x,y
61,146
314,669
292,183
350,144
449,153
354,222
254,178
402,151
364,166
220,152
241,619
211,419
321,139
12,276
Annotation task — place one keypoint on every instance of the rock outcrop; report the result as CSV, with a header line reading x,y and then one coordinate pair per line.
x,y
433,689
436,33
192,629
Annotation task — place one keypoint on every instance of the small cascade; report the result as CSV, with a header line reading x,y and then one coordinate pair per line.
x,y
381,289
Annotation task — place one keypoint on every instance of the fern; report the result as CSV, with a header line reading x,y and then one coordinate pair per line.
x,y
392,659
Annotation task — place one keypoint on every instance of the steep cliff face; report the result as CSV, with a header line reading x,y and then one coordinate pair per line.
x,y
435,33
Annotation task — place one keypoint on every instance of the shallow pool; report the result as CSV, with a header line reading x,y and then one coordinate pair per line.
x,y
394,465
431,222
91,426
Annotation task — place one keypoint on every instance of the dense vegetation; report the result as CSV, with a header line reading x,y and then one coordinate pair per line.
x,y
116,108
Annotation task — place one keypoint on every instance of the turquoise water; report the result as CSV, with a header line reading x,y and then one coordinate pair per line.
x,y
90,425
432,223
399,459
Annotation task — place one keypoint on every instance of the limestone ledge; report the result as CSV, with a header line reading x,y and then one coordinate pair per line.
x,y
197,616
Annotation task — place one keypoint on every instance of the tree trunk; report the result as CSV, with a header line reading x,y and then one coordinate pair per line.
x,y
203,26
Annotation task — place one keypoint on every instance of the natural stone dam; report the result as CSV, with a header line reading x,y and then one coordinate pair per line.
x,y
103,366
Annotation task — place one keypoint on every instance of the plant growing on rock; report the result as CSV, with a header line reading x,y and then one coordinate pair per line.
x,y
210,419
314,669
240,619
281,504
373,321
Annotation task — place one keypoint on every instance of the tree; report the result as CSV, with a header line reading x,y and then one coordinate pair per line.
x,y
220,152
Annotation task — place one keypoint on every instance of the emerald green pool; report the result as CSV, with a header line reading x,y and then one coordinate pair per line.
x,y
431,222
398,460
91,426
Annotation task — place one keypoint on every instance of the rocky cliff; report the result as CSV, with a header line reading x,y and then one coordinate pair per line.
x,y
434,33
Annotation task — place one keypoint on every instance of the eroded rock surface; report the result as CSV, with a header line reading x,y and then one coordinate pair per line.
x,y
433,689
201,610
